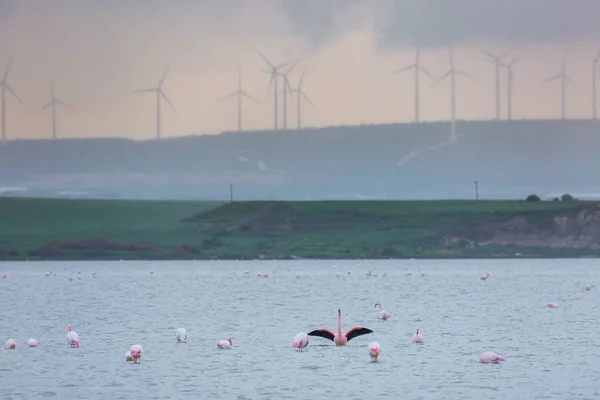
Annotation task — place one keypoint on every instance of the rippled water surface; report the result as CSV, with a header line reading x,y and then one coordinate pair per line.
x,y
550,353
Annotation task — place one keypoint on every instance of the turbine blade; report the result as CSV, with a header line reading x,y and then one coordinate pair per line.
x,y
458,72
250,97
597,58
568,78
44,107
291,67
7,69
164,76
301,79
426,72
441,78
409,67
65,105
514,60
12,92
487,53
552,78
145,90
451,58
307,99
230,95
265,59
166,99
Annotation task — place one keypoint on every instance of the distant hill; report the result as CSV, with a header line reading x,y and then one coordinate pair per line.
x,y
508,158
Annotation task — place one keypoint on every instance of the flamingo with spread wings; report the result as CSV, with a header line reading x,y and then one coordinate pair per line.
x,y
340,339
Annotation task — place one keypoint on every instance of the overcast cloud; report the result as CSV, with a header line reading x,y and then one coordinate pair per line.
x,y
99,51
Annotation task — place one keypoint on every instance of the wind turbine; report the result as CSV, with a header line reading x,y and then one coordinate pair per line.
x,y
417,67
594,90
495,58
300,93
452,72
564,78
286,85
239,93
53,103
159,93
510,85
4,87
274,72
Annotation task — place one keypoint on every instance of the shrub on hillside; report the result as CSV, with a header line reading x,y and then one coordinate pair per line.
x,y
567,197
533,198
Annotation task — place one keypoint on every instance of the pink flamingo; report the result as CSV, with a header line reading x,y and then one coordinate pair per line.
x,y
10,344
300,341
588,287
136,353
374,350
72,337
552,305
224,344
487,275
339,339
384,315
417,338
490,357
32,343
128,356
4,276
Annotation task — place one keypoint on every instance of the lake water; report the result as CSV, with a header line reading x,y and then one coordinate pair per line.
x,y
550,353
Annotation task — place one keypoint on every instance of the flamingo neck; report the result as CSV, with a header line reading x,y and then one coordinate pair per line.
x,y
339,323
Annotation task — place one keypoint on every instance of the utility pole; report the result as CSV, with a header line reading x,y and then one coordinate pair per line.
x,y
476,190
231,192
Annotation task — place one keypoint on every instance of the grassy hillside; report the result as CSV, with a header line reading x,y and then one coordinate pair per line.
x,y
510,159
119,229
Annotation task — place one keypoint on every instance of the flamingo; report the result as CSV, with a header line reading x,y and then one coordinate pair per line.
x,y
552,305
384,315
72,337
483,278
10,344
339,339
181,335
490,357
224,344
588,287
300,341
32,343
4,276
136,353
374,349
417,338
128,356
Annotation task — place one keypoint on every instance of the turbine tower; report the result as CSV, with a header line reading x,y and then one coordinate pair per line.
x,y
300,93
510,85
452,72
53,103
418,68
274,72
239,93
4,86
594,89
496,59
159,94
286,85
564,78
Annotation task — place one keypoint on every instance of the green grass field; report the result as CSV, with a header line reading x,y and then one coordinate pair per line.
x,y
123,229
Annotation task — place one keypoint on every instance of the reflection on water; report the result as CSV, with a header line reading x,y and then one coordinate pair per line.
x,y
550,353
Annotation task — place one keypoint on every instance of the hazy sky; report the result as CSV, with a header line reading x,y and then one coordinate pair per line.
x,y
99,51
